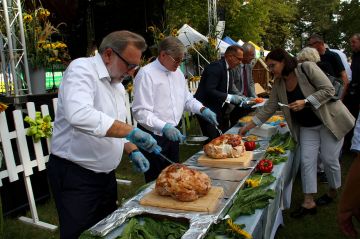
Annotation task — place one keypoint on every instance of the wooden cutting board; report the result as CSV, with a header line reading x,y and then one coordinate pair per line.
x,y
207,203
243,161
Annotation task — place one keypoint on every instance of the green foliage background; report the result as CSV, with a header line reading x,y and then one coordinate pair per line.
x,y
274,23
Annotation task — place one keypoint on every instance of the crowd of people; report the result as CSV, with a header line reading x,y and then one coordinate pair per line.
x,y
90,133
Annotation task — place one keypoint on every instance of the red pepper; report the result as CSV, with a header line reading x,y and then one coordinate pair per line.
x,y
250,145
282,124
265,166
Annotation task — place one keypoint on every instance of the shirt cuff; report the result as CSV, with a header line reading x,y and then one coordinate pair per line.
x,y
105,124
228,98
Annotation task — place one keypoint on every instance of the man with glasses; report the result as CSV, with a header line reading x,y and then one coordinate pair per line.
x,y
330,58
215,90
243,83
160,97
90,134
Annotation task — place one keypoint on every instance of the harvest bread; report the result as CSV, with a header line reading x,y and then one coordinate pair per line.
x,y
182,183
225,146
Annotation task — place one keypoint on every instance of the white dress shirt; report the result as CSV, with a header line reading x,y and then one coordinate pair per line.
x,y
88,104
161,96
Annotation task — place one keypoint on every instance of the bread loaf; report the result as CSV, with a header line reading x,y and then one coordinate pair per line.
x,y
225,146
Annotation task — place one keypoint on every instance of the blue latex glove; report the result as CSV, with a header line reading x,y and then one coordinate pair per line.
x,y
209,116
235,99
172,133
140,163
143,140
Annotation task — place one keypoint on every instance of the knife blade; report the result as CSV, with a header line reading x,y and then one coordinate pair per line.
x,y
166,158
219,130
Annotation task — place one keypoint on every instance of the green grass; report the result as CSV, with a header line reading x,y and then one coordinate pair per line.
x,y
321,225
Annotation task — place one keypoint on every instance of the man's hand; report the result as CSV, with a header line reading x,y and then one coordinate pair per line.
x,y
209,116
172,133
143,140
140,163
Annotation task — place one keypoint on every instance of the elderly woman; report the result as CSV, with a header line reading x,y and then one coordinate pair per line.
x,y
311,54
313,120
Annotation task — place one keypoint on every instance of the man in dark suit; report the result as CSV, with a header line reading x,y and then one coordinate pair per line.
x,y
243,83
214,88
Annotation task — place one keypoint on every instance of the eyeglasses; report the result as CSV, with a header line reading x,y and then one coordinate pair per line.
x,y
176,61
128,65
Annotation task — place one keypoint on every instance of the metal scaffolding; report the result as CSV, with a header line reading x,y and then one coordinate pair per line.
x,y
212,15
13,55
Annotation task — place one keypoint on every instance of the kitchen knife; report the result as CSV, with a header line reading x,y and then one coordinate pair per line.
x,y
219,130
166,158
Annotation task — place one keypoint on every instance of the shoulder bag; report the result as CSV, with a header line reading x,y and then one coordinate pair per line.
x,y
335,81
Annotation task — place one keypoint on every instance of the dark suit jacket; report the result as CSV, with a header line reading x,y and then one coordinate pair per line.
x,y
212,89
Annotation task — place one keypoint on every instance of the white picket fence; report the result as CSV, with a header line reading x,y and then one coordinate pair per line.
x,y
27,163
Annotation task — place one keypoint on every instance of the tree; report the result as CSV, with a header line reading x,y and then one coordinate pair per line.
x,y
318,16
280,31
246,21
349,22
191,12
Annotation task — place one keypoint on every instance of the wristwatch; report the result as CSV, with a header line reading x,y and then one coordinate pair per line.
x,y
306,101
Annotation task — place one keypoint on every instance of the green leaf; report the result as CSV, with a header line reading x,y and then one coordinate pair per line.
x,y
32,131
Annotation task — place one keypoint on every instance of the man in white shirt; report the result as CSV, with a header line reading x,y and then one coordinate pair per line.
x,y
160,97
90,133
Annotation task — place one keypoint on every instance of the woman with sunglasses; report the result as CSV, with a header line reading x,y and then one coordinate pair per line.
x,y
317,123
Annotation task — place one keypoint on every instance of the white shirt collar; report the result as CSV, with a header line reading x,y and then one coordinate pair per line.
x,y
227,65
160,66
101,68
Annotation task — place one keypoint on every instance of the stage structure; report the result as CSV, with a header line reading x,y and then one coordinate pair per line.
x,y
13,55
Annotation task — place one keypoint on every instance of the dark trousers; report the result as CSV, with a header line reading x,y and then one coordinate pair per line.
x,y
82,197
352,104
169,148
208,129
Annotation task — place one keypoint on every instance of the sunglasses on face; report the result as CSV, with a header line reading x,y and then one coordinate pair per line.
x,y
128,65
178,61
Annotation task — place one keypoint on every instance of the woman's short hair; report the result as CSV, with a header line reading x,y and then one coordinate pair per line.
x,y
281,55
308,54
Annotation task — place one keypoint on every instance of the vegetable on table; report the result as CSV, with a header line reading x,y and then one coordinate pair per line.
x,y
265,166
250,145
259,100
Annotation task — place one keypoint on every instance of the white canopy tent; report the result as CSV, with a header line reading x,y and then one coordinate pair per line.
x,y
188,36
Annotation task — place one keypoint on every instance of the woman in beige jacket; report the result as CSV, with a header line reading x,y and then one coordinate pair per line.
x,y
318,123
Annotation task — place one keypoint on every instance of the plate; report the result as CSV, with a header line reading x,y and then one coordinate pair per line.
x,y
251,137
259,104
196,139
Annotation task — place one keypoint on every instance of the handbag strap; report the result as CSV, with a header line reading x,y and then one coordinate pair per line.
x,y
307,77
333,98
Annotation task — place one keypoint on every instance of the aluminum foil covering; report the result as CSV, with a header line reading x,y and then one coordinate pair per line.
x,y
199,222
